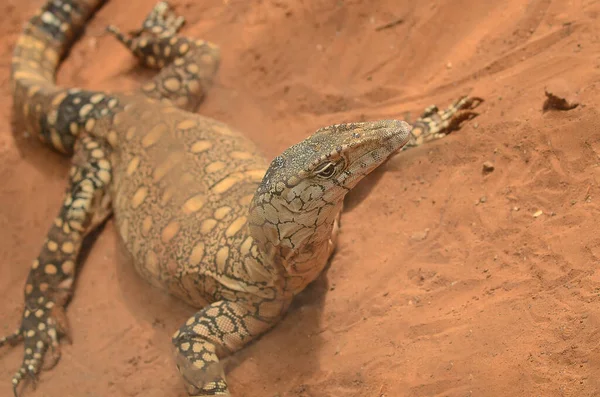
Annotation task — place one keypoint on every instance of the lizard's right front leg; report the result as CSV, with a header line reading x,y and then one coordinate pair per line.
x,y
50,282
216,331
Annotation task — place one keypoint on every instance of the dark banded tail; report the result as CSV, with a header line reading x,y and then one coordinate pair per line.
x,y
44,42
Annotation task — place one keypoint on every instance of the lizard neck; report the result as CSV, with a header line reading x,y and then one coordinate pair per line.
x,y
298,243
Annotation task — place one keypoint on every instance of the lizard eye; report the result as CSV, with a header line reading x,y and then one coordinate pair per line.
x,y
326,170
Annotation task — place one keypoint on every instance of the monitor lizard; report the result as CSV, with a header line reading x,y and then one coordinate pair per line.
x,y
201,212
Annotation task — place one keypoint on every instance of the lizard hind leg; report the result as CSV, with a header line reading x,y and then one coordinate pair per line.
x,y
187,66
435,124
50,282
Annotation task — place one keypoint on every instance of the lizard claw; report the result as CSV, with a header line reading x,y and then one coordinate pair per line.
x,y
468,103
115,31
462,110
12,339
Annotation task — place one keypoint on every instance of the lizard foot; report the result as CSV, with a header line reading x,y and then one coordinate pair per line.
x,y
456,113
435,123
161,22
41,325
202,378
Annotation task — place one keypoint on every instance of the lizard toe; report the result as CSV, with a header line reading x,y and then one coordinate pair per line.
x,y
12,339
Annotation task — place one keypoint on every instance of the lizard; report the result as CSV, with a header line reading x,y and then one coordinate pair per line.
x,y
202,213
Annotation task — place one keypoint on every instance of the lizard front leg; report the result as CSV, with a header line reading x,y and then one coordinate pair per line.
x,y
435,124
50,281
211,334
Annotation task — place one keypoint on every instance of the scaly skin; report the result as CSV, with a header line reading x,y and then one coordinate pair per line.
x,y
202,213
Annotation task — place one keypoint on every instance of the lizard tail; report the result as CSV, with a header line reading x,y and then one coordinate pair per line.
x,y
43,43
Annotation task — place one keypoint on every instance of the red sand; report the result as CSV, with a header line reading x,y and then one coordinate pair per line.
x,y
445,284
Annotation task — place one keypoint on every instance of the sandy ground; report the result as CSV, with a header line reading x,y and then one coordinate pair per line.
x,y
445,283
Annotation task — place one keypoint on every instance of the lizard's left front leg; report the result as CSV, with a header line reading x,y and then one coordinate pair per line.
x,y
211,334
435,123
50,282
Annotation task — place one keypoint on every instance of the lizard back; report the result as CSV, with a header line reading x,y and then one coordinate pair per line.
x,y
182,186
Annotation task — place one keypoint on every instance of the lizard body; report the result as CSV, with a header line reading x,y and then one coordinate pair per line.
x,y
202,213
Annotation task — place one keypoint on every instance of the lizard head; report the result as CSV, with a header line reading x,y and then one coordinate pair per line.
x,y
303,189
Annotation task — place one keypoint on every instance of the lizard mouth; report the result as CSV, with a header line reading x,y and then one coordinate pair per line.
x,y
396,135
